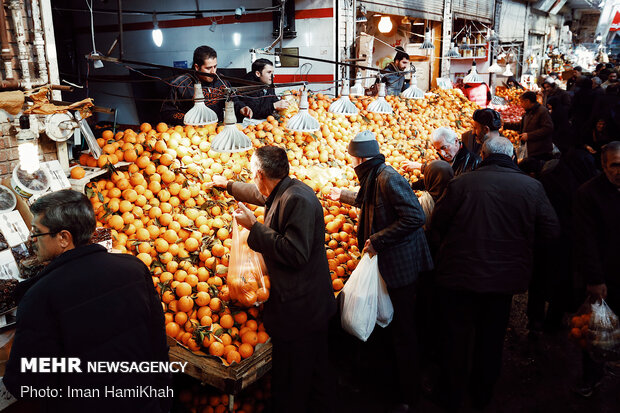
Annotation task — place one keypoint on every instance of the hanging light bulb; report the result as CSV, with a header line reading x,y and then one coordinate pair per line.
x,y
473,76
230,139
465,44
508,72
528,72
158,37
27,146
344,105
427,44
252,55
277,61
413,91
380,105
358,88
453,52
303,121
491,36
385,24
200,114
495,68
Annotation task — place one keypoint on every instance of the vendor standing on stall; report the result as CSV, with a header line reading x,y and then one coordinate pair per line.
x,y
395,80
89,305
264,101
181,95
292,242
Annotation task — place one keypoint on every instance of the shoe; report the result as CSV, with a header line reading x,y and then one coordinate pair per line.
x,y
401,408
585,390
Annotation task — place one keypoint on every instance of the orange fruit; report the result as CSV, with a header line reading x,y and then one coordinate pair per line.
x,y
227,321
246,350
216,349
183,289
78,172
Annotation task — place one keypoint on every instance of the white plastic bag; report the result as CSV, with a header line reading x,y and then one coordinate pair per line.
x,y
359,299
385,309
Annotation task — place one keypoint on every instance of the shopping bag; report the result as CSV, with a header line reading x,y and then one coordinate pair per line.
x,y
247,280
595,328
385,309
521,151
359,299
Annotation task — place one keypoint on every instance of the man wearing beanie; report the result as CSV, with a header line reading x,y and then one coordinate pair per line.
x,y
390,226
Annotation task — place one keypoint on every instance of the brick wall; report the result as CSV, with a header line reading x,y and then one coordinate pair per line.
x,y
9,156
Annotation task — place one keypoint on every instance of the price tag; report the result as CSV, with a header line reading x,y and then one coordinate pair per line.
x,y
444,83
13,228
8,266
58,178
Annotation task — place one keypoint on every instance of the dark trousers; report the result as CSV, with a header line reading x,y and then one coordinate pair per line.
x,y
403,332
300,374
475,326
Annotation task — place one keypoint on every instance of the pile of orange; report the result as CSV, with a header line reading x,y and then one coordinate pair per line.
x,y
579,329
162,210
201,399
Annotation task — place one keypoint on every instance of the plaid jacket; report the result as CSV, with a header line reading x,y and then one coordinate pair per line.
x,y
181,99
397,234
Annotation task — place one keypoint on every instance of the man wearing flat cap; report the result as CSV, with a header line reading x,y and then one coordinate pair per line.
x,y
390,226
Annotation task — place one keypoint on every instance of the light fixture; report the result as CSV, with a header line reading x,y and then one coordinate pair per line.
x,y
361,19
491,36
380,105
344,105
236,37
453,52
413,91
427,44
528,72
239,11
200,114
495,68
230,139
158,37
405,20
473,76
27,146
277,61
303,121
358,88
385,24
464,44
213,26
508,72
252,55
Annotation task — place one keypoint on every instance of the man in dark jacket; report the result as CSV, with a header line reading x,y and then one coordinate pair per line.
x,y
596,220
91,305
390,225
181,95
292,241
395,81
450,150
487,222
536,128
264,101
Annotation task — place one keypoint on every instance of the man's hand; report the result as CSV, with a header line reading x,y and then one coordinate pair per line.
x,y
244,216
590,149
369,248
335,193
598,291
246,111
524,137
218,181
280,104
410,166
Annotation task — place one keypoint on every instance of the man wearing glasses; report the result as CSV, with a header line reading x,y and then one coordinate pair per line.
x,y
85,304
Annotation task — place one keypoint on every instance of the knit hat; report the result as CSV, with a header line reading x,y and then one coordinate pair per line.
x,y
364,145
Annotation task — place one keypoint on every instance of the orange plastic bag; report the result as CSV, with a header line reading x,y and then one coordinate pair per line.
x,y
247,279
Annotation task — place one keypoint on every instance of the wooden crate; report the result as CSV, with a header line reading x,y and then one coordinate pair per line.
x,y
228,379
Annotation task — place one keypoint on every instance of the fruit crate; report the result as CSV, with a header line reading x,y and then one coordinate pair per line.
x,y
229,379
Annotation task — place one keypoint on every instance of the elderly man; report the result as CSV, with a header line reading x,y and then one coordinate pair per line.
x,y
485,256
263,102
449,148
91,305
180,97
390,225
596,220
292,241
